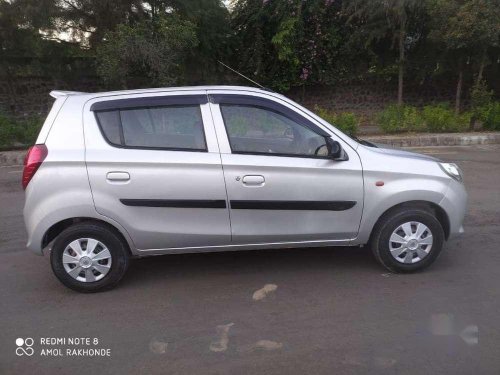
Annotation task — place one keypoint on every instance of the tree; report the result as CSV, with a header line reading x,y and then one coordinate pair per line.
x,y
26,51
465,28
156,49
381,18
89,20
287,43
213,32
477,24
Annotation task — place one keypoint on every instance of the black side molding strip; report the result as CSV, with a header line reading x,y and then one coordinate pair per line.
x,y
149,101
243,205
180,203
293,205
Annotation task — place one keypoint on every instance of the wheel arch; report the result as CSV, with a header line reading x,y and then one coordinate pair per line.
x,y
432,207
52,232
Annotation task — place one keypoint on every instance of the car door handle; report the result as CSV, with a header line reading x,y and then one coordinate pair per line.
x,y
118,176
253,180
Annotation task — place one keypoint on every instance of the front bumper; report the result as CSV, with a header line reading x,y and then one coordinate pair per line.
x,y
454,203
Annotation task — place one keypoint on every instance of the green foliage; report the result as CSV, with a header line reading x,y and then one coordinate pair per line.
x,y
25,52
464,31
346,122
382,16
441,119
282,44
18,132
284,41
438,118
491,116
480,98
469,25
400,119
289,43
157,50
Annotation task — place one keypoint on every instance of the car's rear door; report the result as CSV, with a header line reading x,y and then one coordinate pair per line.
x,y
154,167
280,185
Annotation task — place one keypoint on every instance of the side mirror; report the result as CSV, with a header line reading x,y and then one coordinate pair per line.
x,y
335,151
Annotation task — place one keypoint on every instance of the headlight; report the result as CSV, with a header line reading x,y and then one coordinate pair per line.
x,y
452,170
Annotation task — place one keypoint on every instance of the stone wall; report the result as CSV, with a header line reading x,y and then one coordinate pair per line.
x,y
27,96
30,95
368,98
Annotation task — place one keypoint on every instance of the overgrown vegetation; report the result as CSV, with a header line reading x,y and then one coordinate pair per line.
x,y
18,132
347,122
491,116
438,118
441,119
400,118
155,49
281,43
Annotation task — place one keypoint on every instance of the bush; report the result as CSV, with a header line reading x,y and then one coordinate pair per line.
x,y
156,50
463,121
396,119
18,132
440,118
6,130
480,97
346,122
30,127
491,116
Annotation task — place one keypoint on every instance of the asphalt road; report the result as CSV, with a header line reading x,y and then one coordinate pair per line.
x,y
307,311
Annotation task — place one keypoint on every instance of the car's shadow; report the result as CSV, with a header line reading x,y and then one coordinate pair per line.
x,y
270,262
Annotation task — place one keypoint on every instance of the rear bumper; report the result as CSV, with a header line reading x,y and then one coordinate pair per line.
x,y
454,203
35,235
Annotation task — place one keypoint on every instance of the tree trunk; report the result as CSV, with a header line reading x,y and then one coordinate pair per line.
x,y
481,68
459,89
402,36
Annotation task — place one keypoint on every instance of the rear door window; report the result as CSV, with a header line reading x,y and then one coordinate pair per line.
x,y
169,127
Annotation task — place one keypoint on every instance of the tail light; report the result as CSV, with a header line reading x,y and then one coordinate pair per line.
x,y
32,161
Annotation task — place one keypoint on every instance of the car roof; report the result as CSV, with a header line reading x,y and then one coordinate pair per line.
x,y
59,93
80,98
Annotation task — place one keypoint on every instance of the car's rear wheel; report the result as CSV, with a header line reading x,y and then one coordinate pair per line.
x,y
89,257
407,239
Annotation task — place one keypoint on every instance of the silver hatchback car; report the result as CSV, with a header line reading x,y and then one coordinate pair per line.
x,y
135,173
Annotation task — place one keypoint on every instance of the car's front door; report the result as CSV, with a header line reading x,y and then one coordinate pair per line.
x,y
280,184
154,167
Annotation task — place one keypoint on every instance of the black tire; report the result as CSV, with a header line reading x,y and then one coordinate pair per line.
x,y
384,228
114,243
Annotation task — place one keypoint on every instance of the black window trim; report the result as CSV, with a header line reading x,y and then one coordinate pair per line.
x,y
148,102
122,138
243,100
302,156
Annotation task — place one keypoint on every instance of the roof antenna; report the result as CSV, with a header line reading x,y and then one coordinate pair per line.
x,y
248,79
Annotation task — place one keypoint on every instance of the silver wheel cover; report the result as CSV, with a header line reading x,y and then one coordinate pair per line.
x,y
410,242
86,260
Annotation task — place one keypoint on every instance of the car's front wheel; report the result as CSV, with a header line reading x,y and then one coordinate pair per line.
x,y
89,257
407,239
